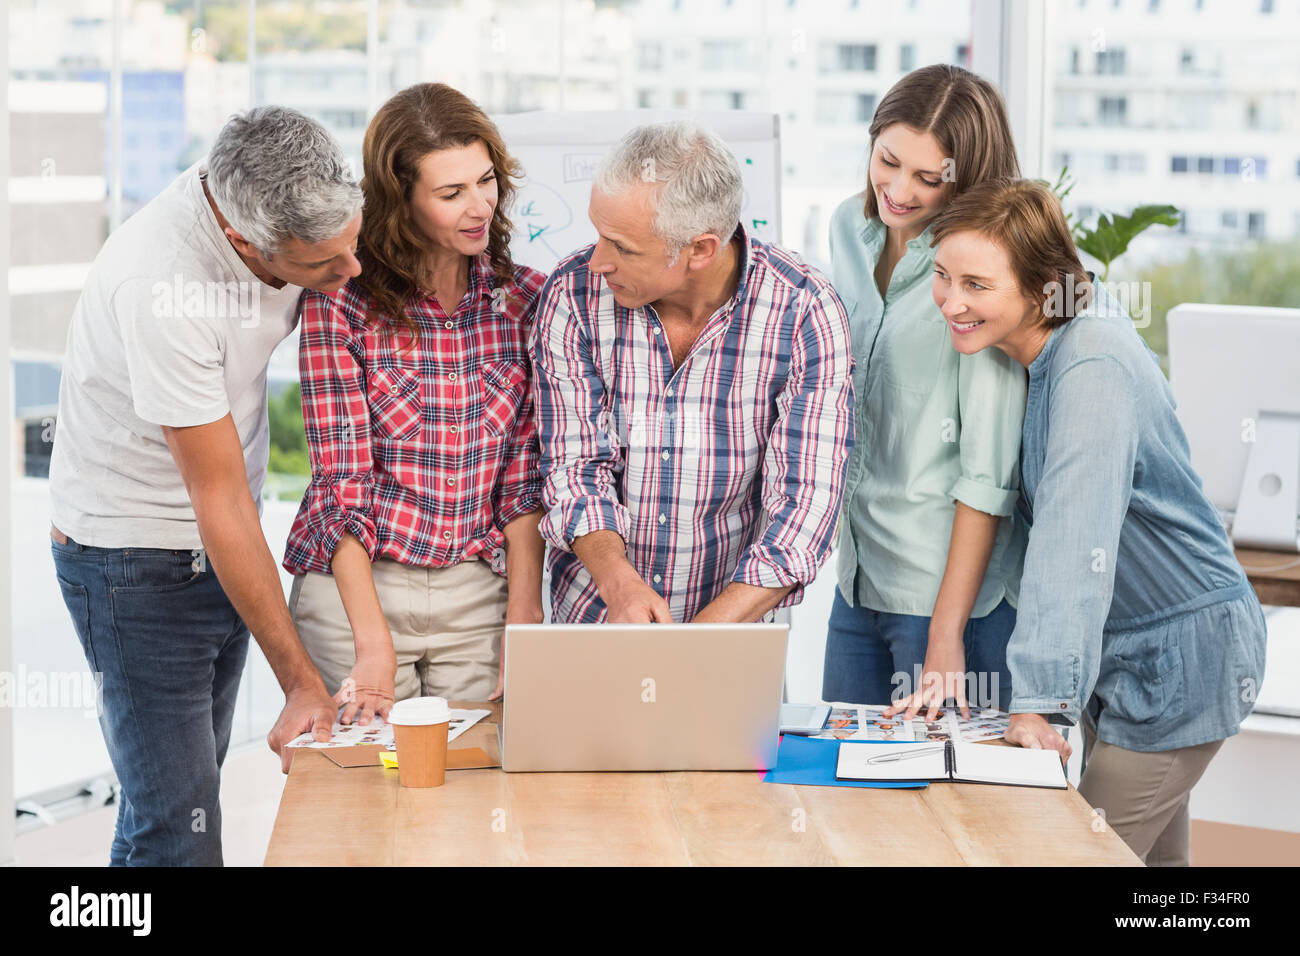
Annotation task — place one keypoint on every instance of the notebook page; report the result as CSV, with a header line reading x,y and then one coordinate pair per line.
x,y
867,762
981,763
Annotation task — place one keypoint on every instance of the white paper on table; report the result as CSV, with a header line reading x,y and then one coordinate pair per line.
x,y
380,732
463,720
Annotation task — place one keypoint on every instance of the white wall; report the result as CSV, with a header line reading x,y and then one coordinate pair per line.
x,y
6,394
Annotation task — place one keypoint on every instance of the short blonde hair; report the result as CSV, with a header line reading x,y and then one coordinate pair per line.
x,y
1025,218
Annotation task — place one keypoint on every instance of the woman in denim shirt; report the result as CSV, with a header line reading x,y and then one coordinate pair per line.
x,y
1134,614
928,556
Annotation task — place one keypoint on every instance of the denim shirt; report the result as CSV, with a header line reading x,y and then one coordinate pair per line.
x,y
1131,603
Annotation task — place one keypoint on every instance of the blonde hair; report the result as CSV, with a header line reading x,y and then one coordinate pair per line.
x,y
963,112
1025,218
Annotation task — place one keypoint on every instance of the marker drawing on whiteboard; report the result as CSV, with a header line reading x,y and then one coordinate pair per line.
x,y
579,167
544,212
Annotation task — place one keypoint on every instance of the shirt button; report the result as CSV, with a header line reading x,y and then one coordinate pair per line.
x,y
663,518
657,579
670,393
454,429
1064,706
451,376
451,481
665,456
394,389
446,535
446,325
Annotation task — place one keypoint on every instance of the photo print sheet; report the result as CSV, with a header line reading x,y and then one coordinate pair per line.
x,y
378,731
868,722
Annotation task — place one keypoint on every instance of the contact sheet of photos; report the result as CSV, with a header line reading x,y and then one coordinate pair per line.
x,y
853,722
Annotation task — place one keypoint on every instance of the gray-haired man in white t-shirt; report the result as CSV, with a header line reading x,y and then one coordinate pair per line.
x,y
159,458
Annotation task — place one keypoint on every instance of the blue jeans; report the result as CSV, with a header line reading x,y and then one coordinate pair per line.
x,y
168,649
865,649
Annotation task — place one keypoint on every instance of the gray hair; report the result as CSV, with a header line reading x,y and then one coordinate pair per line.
x,y
702,190
276,174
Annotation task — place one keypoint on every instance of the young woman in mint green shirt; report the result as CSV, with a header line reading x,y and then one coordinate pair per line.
x,y
928,552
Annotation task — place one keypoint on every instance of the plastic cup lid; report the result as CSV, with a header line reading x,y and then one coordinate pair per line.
x,y
417,711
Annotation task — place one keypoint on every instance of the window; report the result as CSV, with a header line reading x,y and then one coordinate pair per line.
x,y
866,107
1111,61
722,55
1112,110
1178,164
850,58
1255,224
907,58
649,56
836,107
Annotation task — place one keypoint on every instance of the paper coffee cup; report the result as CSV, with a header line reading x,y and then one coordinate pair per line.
x,y
420,731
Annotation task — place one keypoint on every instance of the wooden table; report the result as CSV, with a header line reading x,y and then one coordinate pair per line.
x,y
1275,576
360,817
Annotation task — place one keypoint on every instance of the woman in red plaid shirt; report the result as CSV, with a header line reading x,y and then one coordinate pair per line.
x,y
417,542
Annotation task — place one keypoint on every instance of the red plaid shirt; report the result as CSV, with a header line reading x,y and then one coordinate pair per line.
x,y
423,451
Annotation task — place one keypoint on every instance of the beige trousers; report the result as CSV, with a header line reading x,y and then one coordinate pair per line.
x,y
446,625
1144,796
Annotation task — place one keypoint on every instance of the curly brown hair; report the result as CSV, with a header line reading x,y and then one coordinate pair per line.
x,y
419,120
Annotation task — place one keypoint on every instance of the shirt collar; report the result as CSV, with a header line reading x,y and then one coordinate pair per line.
x,y
749,254
482,279
873,234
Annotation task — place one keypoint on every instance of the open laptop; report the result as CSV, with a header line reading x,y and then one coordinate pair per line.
x,y
602,697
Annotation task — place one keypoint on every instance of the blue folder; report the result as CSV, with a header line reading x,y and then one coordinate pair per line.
x,y
811,762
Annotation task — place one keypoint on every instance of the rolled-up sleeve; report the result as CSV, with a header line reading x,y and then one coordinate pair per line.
x,y
991,390
1078,512
580,455
518,488
336,417
806,456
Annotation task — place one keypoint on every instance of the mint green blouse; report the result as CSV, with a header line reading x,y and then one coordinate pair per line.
x,y
933,426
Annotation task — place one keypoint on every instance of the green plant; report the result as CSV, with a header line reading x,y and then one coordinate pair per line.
x,y
1110,238
288,452
1266,274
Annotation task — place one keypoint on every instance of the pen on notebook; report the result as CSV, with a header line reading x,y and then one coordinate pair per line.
x,y
905,755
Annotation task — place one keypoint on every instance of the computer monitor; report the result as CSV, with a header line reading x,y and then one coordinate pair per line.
x,y
1235,374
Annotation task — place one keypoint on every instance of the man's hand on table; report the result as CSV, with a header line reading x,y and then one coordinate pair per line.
x,y
1033,732
306,709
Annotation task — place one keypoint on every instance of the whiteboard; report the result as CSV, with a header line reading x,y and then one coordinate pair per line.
x,y
560,150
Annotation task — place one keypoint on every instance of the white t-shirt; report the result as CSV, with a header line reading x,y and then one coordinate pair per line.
x,y
171,329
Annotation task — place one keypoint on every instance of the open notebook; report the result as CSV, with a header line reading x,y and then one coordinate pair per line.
x,y
958,763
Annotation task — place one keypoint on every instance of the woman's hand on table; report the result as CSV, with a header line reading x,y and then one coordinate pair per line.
x,y
1033,732
943,677
368,690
